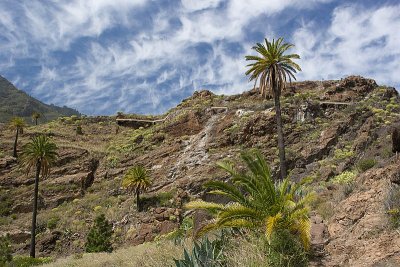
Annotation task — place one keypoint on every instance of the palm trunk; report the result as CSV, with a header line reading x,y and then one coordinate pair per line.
x,y
137,200
34,212
36,121
279,127
15,144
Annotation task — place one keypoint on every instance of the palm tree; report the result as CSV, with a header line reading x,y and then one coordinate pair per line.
x,y
137,179
17,124
40,153
257,202
273,68
36,116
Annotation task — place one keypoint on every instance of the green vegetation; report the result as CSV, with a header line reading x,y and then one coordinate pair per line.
x,y
344,178
52,223
273,69
99,237
137,179
39,153
79,130
6,201
258,203
5,250
365,164
344,153
23,261
205,253
392,205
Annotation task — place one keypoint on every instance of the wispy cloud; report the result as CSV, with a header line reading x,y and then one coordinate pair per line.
x,y
145,56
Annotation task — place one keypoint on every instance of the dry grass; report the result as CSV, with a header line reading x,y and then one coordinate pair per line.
x,y
249,252
152,254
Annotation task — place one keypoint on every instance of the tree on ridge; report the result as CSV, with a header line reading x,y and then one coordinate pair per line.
x,y
272,68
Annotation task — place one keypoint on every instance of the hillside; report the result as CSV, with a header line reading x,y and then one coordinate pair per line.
x,y
14,102
338,134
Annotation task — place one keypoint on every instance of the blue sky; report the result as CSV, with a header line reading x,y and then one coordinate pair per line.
x,y
145,56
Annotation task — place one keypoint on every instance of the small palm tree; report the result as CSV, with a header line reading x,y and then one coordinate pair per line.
x,y
36,116
39,153
17,124
137,179
273,68
257,202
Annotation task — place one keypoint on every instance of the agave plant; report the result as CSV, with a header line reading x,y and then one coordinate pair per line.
x,y
257,202
205,253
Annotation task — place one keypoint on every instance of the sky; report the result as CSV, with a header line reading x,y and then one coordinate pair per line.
x,y
145,56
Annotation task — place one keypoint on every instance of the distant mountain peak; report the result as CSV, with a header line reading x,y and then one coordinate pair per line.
x,y
15,102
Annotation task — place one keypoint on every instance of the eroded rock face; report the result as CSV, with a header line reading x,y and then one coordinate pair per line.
x,y
352,88
48,243
359,231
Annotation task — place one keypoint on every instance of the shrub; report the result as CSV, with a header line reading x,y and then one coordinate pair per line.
x,y
99,237
284,249
24,261
205,253
344,153
392,205
365,164
184,230
52,222
346,177
79,130
5,203
5,250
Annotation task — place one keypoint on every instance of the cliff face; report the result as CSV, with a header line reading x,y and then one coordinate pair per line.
x,y
338,133
14,102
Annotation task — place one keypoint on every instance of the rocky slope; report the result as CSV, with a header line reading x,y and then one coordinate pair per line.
x,y
14,102
335,131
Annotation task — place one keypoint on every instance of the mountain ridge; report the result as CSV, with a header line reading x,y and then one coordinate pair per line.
x,y
337,135
16,102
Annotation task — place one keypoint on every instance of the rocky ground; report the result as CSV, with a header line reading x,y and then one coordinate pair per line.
x,y
333,129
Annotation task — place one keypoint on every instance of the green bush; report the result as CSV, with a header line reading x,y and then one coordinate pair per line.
x,y
5,250
52,223
285,249
365,164
99,237
25,261
346,177
5,203
344,153
79,130
392,205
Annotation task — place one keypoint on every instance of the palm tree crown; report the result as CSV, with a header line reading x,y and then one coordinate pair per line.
x,y
36,116
17,123
257,202
272,68
39,149
137,178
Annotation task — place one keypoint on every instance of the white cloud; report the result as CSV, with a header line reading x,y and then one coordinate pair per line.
x,y
358,41
151,66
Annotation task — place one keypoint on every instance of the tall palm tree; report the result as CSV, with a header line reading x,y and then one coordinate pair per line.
x,y
257,202
39,153
36,116
137,179
17,124
273,68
